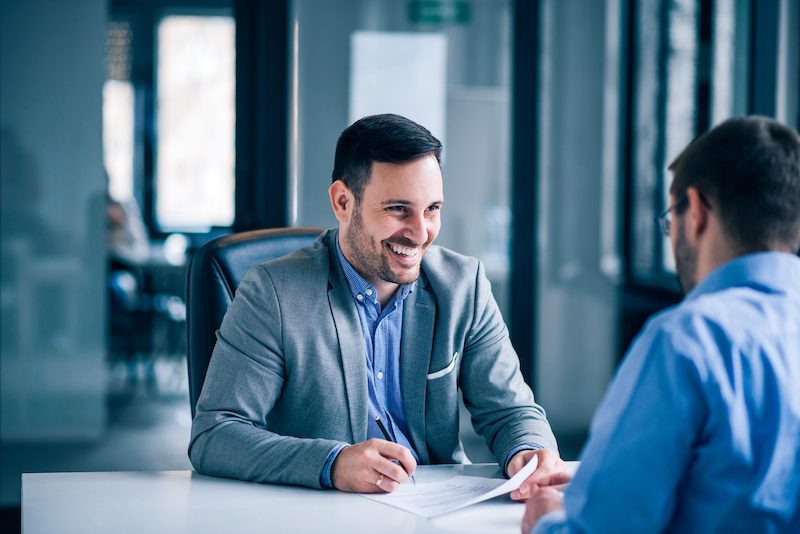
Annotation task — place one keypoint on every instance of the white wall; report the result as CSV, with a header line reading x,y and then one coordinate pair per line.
x,y
53,276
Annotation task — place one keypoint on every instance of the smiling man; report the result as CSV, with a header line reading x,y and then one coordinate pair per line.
x,y
373,323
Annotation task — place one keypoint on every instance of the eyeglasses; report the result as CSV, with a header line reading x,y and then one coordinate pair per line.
x,y
664,220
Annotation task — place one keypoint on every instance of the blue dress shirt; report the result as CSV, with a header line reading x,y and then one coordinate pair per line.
x,y
700,430
382,330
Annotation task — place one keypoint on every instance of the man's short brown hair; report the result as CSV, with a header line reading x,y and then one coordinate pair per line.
x,y
749,167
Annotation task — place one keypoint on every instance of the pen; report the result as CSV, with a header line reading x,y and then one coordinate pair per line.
x,y
389,438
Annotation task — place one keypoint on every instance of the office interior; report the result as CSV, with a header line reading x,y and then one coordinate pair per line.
x,y
135,131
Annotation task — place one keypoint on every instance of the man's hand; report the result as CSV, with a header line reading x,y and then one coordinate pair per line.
x,y
549,462
545,499
368,467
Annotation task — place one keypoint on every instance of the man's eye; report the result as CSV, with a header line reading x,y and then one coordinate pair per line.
x,y
397,208
434,208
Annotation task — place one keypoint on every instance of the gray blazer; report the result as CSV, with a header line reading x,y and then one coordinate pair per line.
x,y
287,381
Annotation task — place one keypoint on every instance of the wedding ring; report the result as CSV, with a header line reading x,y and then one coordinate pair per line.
x,y
380,479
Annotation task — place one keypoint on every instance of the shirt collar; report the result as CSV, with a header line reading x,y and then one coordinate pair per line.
x,y
362,288
771,272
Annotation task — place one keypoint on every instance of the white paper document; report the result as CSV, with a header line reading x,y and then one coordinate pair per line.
x,y
437,498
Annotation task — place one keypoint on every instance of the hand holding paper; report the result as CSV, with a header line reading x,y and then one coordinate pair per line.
x,y
549,462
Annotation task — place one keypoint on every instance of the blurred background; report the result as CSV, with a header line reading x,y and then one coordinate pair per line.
x,y
134,131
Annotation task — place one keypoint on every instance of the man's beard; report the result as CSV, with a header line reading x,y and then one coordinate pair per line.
x,y
685,260
369,258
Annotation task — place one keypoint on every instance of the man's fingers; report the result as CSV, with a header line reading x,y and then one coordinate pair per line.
x,y
522,493
392,470
402,462
558,481
372,466
550,470
542,502
562,478
385,484
406,459
548,461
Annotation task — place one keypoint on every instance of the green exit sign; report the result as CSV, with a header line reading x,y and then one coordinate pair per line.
x,y
438,12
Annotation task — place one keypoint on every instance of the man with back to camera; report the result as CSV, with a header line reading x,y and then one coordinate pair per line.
x,y
371,321
700,429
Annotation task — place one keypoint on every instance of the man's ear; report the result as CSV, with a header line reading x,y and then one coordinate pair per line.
x,y
696,216
342,201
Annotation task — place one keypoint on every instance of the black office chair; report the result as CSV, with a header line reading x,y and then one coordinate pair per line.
x,y
214,274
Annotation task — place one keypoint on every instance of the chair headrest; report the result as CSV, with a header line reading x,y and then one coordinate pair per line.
x,y
215,271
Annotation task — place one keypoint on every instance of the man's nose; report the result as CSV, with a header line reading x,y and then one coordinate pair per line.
x,y
417,228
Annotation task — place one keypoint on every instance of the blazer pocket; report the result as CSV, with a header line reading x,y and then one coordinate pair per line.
x,y
447,370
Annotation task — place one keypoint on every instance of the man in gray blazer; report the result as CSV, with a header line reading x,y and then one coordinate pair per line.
x,y
371,325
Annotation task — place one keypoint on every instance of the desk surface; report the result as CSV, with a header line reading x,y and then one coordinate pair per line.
x,y
184,501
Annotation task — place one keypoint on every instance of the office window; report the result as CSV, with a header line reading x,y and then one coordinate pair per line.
x,y
690,72
118,112
195,122
118,138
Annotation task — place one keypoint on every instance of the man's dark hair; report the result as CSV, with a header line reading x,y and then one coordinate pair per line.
x,y
750,169
385,138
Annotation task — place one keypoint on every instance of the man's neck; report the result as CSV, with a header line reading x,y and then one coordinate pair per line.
x,y
385,292
715,250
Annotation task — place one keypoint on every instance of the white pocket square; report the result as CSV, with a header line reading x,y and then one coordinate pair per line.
x,y
448,369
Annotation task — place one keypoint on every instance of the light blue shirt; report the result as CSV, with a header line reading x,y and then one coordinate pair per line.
x,y
382,329
700,430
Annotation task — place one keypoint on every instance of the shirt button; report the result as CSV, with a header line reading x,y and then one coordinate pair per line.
x,y
380,375
360,297
368,292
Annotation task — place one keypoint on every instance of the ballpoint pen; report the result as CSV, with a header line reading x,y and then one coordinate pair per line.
x,y
389,438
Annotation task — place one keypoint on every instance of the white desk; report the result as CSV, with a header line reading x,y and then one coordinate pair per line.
x,y
183,501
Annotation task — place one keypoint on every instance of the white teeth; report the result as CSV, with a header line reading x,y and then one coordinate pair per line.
x,y
404,251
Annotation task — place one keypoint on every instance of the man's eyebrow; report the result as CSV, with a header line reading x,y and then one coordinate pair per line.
x,y
394,202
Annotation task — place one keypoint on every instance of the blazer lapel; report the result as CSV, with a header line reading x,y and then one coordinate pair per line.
x,y
351,346
419,313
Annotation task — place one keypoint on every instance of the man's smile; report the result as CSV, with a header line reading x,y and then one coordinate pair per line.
x,y
408,252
